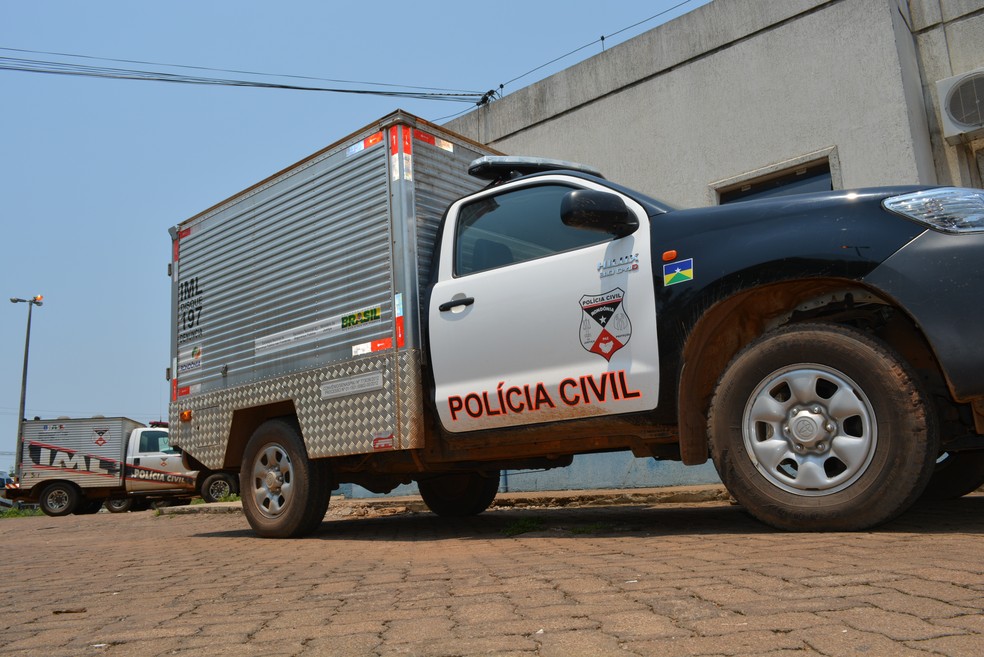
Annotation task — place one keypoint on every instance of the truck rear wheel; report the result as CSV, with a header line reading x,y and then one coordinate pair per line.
x,y
460,494
120,506
956,474
285,494
59,499
219,485
821,427
88,507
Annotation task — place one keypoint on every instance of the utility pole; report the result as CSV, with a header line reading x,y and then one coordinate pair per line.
x,y
34,301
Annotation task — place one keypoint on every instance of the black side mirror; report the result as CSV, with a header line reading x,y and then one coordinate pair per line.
x,y
603,212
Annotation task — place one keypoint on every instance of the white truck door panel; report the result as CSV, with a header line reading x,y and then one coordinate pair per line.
x,y
528,335
152,464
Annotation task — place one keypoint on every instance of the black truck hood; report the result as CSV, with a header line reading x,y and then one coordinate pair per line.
x,y
842,234
793,207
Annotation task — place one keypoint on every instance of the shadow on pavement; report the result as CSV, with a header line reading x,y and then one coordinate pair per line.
x,y
962,516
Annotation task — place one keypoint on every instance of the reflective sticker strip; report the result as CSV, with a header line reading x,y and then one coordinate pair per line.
x,y
394,140
383,344
398,303
443,144
371,140
181,235
188,390
407,154
383,441
394,154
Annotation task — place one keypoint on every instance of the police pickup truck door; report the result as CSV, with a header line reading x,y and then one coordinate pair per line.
x,y
152,464
534,321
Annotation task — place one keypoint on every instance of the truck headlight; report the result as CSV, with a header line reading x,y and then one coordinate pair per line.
x,y
949,209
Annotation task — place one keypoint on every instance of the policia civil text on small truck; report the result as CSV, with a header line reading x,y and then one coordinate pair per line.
x,y
375,315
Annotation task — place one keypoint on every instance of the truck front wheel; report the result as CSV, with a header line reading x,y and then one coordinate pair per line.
x,y
460,494
821,427
59,499
285,494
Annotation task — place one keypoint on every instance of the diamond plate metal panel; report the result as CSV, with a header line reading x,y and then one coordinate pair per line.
x,y
344,425
411,401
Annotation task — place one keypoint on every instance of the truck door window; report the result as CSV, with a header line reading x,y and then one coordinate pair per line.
x,y
515,226
152,442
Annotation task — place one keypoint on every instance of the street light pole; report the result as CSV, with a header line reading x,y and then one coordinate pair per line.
x,y
34,301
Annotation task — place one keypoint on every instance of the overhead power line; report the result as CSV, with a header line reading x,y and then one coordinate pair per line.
x,y
598,40
19,64
67,68
492,94
237,71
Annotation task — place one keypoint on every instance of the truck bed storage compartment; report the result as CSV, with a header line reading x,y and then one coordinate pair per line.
x,y
304,291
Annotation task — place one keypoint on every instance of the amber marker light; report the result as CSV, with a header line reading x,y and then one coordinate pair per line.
x,y
185,415
669,255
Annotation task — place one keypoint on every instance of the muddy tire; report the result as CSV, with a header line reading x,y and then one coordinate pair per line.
x,y
460,494
120,506
59,499
956,474
219,485
284,494
821,427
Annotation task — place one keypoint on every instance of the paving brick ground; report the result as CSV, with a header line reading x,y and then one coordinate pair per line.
x,y
641,579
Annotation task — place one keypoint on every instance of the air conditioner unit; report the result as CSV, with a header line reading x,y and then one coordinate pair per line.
x,y
962,106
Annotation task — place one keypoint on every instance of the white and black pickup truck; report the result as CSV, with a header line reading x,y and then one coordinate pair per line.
x,y
78,465
375,315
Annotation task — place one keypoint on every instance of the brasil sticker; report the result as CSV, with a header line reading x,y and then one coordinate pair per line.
x,y
680,271
605,326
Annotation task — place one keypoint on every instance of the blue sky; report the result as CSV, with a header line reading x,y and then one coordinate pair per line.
x,y
93,171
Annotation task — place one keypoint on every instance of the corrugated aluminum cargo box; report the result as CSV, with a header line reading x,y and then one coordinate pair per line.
x,y
89,452
306,288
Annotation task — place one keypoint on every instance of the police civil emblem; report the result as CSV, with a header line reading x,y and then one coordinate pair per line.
x,y
605,326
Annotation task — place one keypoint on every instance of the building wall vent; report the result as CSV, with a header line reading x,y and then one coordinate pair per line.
x,y
961,101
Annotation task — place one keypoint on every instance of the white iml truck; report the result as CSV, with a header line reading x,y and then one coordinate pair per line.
x,y
406,305
75,465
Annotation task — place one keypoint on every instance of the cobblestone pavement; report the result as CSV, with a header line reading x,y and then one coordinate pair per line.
x,y
666,580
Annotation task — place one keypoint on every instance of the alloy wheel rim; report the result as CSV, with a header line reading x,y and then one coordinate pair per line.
x,y
809,429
